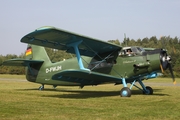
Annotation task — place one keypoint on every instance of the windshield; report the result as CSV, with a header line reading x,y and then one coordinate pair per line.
x,y
140,49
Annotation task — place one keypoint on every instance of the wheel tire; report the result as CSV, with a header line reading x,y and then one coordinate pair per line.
x,y
125,92
149,91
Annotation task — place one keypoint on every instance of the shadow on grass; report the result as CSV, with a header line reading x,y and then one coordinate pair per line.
x,y
84,94
138,92
36,89
80,94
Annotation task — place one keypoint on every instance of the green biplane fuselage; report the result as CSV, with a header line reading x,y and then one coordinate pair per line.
x,y
114,69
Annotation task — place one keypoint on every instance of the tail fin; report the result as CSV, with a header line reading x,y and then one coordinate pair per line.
x,y
35,52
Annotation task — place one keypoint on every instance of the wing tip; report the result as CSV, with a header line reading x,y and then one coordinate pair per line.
x,y
45,27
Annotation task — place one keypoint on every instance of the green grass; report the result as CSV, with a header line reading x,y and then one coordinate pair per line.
x,y
12,76
21,100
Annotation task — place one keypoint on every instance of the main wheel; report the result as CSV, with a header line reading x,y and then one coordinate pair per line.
x,y
125,92
149,91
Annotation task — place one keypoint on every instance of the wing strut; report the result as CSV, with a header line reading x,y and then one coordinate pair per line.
x,y
75,46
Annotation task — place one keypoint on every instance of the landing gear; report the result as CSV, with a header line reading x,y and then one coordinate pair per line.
x,y
41,87
54,86
125,92
148,91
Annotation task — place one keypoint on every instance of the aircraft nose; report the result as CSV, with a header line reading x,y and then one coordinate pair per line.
x,y
166,63
167,57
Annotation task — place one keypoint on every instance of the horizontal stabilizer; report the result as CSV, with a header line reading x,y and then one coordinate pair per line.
x,y
20,62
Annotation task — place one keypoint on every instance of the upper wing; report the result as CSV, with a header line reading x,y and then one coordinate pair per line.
x,y
61,39
20,62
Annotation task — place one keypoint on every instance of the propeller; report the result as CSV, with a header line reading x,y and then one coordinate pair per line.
x,y
166,63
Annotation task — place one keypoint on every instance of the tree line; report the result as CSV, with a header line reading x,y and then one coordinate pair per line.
x,y
172,45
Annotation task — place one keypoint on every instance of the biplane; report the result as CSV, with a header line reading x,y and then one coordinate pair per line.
x,y
96,62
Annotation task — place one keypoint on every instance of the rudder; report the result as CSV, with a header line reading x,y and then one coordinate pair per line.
x,y
35,52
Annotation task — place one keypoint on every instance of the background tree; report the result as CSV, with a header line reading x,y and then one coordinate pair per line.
x,y
166,42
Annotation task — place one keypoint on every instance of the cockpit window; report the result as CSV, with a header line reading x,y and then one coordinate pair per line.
x,y
140,49
125,52
134,50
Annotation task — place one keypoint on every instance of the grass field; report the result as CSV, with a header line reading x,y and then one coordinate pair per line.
x,y
21,100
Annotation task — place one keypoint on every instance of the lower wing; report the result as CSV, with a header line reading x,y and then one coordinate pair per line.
x,y
85,77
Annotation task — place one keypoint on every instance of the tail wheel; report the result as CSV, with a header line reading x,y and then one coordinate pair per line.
x,y
148,91
125,92
41,87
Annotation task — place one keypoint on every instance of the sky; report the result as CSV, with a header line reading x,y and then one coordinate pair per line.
x,y
101,19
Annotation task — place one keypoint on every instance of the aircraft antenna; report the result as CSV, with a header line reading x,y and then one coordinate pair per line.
x,y
125,39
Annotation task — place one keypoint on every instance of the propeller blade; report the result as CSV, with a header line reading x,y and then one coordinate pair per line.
x,y
162,70
172,74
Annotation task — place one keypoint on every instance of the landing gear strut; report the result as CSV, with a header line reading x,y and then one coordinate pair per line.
x,y
41,87
126,92
54,86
